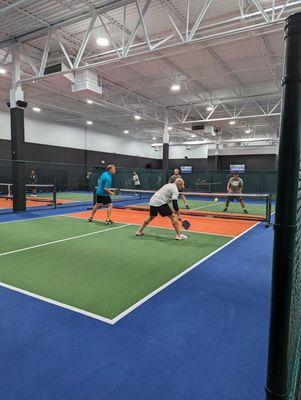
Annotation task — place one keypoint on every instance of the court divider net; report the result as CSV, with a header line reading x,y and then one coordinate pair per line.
x,y
35,193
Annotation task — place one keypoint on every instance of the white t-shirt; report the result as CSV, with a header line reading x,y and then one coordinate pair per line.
x,y
136,179
165,195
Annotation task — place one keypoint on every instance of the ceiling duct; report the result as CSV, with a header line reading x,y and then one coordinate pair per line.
x,y
209,131
86,81
51,69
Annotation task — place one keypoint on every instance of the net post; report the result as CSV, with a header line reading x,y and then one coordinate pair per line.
x,y
283,358
94,196
268,201
54,196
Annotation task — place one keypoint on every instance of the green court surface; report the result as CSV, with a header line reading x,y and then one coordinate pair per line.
x,y
75,196
253,208
99,269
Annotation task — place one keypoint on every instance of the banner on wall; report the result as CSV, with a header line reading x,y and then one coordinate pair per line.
x,y
186,169
239,168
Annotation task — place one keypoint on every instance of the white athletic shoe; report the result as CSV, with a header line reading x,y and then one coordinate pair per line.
x,y
139,233
181,237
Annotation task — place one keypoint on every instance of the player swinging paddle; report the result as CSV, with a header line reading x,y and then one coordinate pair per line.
x,y
159,205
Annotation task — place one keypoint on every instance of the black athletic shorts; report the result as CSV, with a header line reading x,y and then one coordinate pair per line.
x,y
163,210
103,200
232,198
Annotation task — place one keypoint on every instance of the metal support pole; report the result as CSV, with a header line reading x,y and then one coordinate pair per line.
x,y
279,375
165,160
17,135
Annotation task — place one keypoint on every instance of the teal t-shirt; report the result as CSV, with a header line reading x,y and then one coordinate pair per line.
x,y
105,181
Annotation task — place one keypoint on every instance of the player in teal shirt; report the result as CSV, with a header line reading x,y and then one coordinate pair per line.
x,y
104,193
105,181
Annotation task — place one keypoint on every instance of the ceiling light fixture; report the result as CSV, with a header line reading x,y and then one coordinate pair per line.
x,y
90,101
137,117
209,108
102,41
193,135
2,71
36,109
126,131
89,122
232,123
175,87
169,128
154,138
248,131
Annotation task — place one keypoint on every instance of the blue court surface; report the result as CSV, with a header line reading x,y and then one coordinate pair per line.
x,y
203,337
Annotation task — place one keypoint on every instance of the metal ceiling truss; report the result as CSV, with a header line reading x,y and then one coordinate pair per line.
x,y
124,47
181,29
251,108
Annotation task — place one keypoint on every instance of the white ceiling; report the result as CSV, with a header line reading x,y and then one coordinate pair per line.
x,y
231,59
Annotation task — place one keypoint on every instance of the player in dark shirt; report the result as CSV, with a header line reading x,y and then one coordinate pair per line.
x,y
33,180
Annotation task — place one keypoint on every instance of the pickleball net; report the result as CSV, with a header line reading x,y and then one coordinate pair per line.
x,y
258,206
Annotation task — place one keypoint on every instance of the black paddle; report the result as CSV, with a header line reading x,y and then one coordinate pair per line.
x,y
186,224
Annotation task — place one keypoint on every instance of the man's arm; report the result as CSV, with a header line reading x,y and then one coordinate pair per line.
x,y
175,204
228,186
241,186
107,189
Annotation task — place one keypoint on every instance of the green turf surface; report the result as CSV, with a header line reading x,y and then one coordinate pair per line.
x,y
234,207
88,273
75,196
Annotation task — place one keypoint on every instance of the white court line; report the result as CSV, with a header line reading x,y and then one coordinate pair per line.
x,y
209,205
33,218
62,240
134,306
150,295
57,303
155,227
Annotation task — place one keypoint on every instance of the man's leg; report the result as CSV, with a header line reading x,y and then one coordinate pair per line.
x,y
145,223
95,208
175,223
109,212
226,206
242,203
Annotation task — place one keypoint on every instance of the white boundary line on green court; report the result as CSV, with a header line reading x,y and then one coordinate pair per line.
x,y
34,218
57,303
62,240
134,306
152,294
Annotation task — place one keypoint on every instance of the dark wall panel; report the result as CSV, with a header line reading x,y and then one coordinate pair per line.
x,y
5,151
41,152
252,162
94,157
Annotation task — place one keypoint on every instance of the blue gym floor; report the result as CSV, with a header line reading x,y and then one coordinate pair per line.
x,y
203,337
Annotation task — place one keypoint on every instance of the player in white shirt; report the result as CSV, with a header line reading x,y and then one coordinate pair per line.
x,y
159,204
136,180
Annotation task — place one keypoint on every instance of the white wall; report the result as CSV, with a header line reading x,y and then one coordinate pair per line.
x,y
4,126
179,152
54,134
